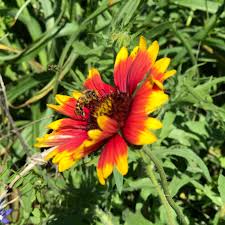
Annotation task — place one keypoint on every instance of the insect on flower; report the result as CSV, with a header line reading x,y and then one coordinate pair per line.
x,y
110,118
87,97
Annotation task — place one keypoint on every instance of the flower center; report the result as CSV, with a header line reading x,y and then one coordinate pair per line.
x,y
103,107
115,105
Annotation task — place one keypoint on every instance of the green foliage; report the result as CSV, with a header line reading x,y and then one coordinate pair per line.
x,y
47,47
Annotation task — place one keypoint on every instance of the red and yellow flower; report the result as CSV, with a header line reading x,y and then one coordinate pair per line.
x,y
116,115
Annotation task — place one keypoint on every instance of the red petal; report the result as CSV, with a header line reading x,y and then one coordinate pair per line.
x,y
141,99
136,130
67,107
121,72
94,82
71,144
113,154
67,123
138,70
73,137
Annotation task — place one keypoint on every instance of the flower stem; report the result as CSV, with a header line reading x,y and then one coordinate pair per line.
x,y
165,185
162,197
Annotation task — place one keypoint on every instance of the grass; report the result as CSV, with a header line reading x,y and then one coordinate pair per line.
x,y
47,47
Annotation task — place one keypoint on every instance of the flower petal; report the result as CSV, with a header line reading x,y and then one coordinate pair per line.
x,y
107,124
66,106
129,71
66,163
8,211
62,138
141,99
113,154
67,123
121,56
153,123
94,82
169,74
153,51
161,65
159,68
5,221
156,99
134,52
121,68
136,131
138,124
51,154
60,156
121,155
142,43
77,94
95,134
66,155
147,99
138,70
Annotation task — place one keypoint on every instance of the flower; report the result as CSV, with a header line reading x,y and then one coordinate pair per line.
x,y
110,117
4,213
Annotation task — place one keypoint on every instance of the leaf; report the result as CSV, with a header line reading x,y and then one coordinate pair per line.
x,y
126,12
118,180
45,90
130,9
25,84
81,49
221,187
177,183
182,136
140,183
189,155
210,6
199,127
136,219
167,125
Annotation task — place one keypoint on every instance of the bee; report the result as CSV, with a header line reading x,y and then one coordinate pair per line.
x,y
87,97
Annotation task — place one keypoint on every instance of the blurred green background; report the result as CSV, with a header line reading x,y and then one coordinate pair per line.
x,y
47,47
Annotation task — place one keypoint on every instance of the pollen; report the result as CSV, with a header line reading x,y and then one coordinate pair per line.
x,y
104,108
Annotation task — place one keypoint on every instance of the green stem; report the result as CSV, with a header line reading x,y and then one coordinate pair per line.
x,y
162,197
165,185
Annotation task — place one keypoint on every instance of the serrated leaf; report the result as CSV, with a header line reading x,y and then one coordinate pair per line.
x,y
187,154
198,126
182,136
177,183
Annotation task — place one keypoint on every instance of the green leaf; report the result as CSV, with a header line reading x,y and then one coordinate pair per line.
x,y
209,6
177,183
36,212
182,137
81,49
26,83
198,127
118,180
186,153
167,125
136,219
221,187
